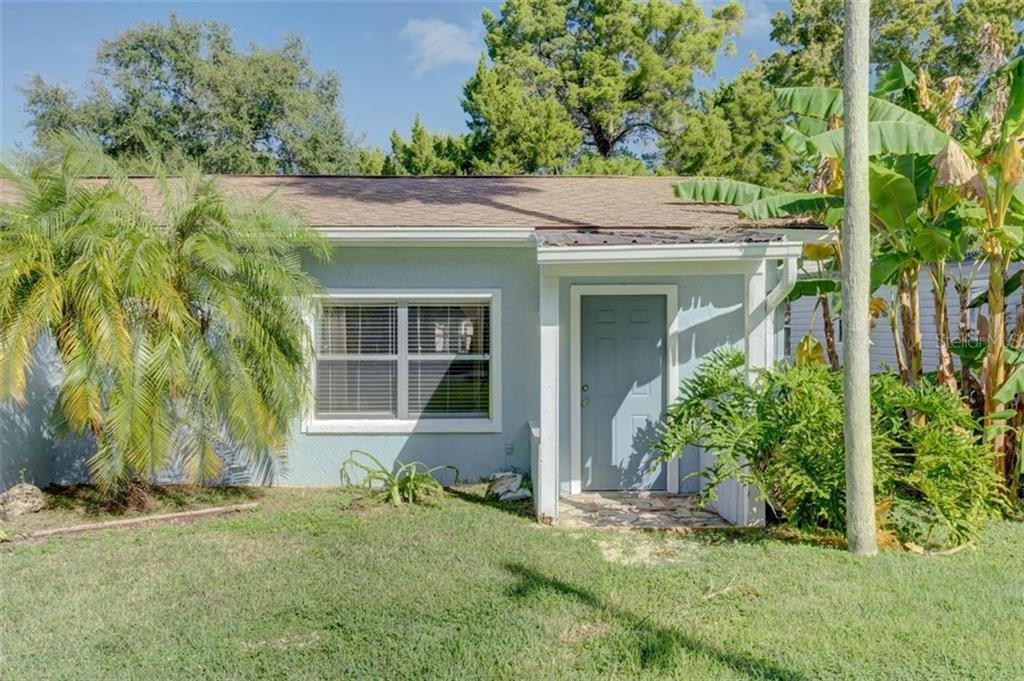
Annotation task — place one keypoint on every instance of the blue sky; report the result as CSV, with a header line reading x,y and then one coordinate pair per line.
x,y
394,58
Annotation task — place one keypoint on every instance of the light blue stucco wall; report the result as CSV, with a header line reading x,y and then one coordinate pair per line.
x,y
710,315
30,447
315,459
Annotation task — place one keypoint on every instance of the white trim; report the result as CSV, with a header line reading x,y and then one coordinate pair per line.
x,y
374,426
671,391
420,294
784,287
493,424
429,236
804,236
546,476
662,253
642,271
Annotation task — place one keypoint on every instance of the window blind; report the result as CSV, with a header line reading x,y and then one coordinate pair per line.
x,y
406,359
357,362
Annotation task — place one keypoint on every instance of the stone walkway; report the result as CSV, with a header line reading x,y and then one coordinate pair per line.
x,y
635,510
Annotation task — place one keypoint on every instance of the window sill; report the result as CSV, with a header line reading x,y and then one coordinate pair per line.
x,y
374,426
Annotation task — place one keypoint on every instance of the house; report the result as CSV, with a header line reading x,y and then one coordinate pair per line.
x,y
805,317
541,324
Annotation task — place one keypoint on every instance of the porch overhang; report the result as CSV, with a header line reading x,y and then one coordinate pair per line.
x,y
768,268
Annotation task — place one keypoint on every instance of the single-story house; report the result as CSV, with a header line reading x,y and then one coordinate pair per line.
x,y
541,324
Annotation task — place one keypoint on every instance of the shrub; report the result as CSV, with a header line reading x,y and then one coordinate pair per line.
x,y
411,482
783,432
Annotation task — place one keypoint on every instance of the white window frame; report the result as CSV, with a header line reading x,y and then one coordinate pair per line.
x,y
312,424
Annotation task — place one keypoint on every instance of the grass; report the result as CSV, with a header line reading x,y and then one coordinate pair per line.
x,y
313,586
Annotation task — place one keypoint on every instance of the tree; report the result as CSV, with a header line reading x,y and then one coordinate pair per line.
x,y
183,89
179,320
941,35
620,164
514,131
601,74
986,169
902,215
371,161
736,131
933,195
861,532
428,153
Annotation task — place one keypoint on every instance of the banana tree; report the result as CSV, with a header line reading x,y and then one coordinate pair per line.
x,y
902,142
985,168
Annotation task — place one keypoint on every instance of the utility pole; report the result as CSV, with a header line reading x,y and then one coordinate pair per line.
x,y
861,532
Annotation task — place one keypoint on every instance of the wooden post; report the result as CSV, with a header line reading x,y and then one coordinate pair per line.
x,y
861,532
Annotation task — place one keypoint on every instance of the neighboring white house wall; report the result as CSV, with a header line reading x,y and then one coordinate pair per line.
x,y
804,318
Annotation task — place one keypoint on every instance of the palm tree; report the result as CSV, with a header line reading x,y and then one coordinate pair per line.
x,y
179,313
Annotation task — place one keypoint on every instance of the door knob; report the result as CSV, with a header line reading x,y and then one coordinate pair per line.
x,y
585,402
585,387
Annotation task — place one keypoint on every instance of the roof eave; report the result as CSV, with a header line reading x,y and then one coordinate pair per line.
x,y
705,252
429,236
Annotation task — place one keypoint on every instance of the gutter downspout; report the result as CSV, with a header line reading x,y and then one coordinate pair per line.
x,y
783,288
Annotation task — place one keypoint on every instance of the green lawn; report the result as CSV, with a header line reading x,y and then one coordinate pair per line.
x,y
308,587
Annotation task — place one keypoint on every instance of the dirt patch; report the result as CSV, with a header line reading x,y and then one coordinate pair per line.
x,y
296,642
648,549
582,631
81,504
179,518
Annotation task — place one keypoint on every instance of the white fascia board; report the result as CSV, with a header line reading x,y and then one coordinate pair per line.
x,y
805,236
429,236
668,253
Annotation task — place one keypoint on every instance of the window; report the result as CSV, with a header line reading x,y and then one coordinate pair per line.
x,y
394,363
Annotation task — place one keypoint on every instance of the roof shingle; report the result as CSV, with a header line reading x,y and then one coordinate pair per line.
x,y
569,203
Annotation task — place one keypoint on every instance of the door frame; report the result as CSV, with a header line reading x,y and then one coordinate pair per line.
x,y
671,382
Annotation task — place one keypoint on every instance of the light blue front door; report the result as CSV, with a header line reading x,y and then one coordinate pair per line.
x,y
622,369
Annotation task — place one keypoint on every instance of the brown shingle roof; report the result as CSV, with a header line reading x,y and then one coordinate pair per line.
x,y
560,203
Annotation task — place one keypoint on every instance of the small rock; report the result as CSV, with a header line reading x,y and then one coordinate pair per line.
x,y
504,483
516,495
21,499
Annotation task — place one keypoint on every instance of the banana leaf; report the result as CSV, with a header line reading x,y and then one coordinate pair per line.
x,y
932,243
825,102
884,268
790,204
893,197
1013,386
916,168
795,140
1011,284
796,133
898,78
720,190
813,287
887,137
1013,121
973,352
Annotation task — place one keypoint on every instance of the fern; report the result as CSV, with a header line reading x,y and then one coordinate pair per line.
x,y
783,433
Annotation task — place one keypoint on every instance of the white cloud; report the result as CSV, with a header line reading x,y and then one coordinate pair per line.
x,y
759,16
437,43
